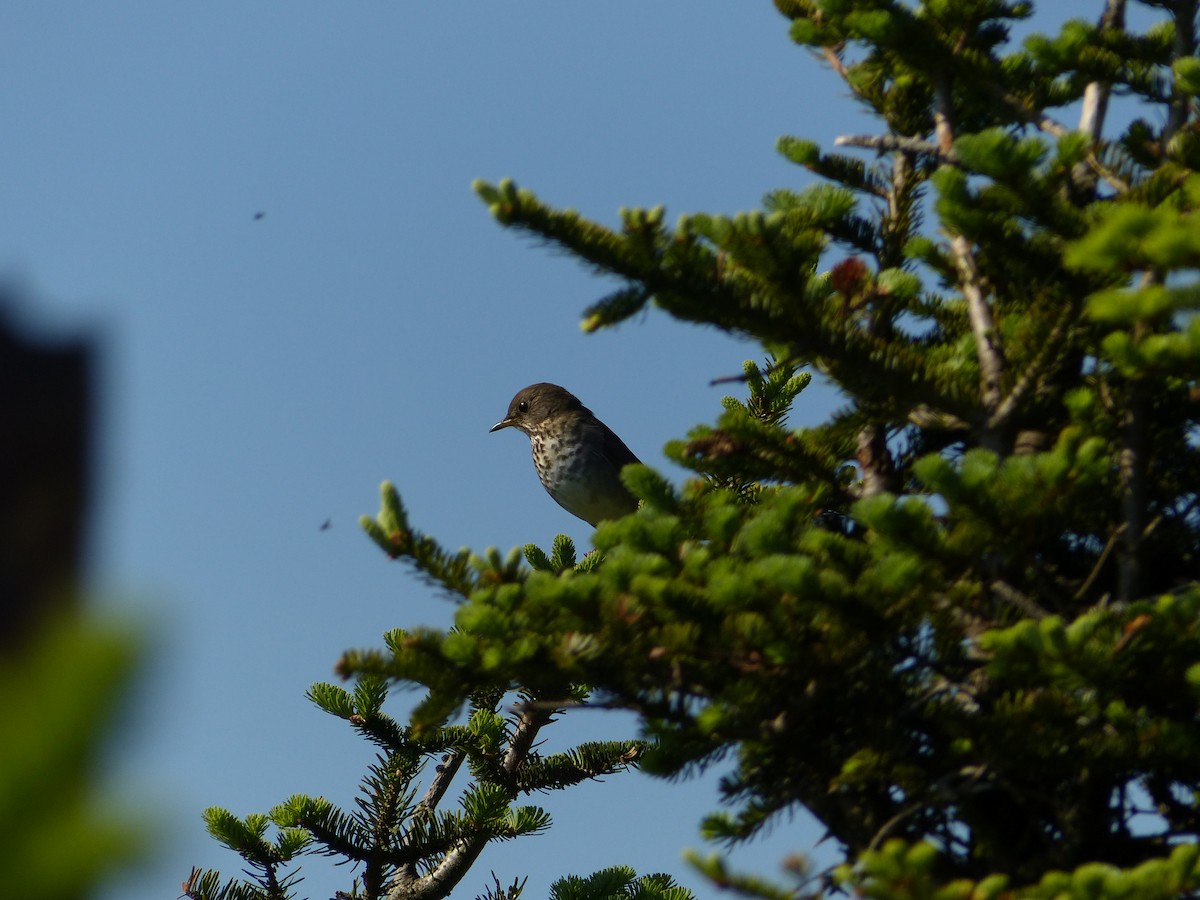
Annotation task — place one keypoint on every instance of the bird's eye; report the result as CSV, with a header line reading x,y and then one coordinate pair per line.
x,y
523,406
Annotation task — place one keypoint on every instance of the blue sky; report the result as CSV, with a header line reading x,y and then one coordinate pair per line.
x,y
262,375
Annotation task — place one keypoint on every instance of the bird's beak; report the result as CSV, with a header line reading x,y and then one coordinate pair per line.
x,y
503,423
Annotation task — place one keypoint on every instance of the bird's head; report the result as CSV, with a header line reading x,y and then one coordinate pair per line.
x,y
533,405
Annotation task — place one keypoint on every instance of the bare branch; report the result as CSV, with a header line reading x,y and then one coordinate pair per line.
x,y
886,142
979,311
446,770
925,416
943,121
442,880
1185,45
874,460
835,62
1095,95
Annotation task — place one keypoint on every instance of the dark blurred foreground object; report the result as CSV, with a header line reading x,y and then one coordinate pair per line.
x,y
45,434
63,675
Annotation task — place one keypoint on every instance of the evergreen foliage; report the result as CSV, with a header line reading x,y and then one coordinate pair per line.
x,y
618,883
403,847
61,691
958,622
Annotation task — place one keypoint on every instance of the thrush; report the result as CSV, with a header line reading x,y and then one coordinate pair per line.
x,y
578,458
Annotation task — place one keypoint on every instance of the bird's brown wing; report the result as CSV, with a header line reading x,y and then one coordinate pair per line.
x,y
614,448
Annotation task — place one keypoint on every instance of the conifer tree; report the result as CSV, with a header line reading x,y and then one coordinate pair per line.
x,y
402,840
958,622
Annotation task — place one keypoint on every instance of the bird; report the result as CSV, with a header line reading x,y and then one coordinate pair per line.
x,y
578,458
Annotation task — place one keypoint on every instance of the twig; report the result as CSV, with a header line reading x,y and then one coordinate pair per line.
x,y
971,777
1025,604
1100,561
728,379
1132,467
446,771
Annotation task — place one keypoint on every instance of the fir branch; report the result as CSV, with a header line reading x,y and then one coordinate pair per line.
x,y
1057,130
338,833
497,892
875,462
206,885
619,883
903,217
1035,371
583,763
390,530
